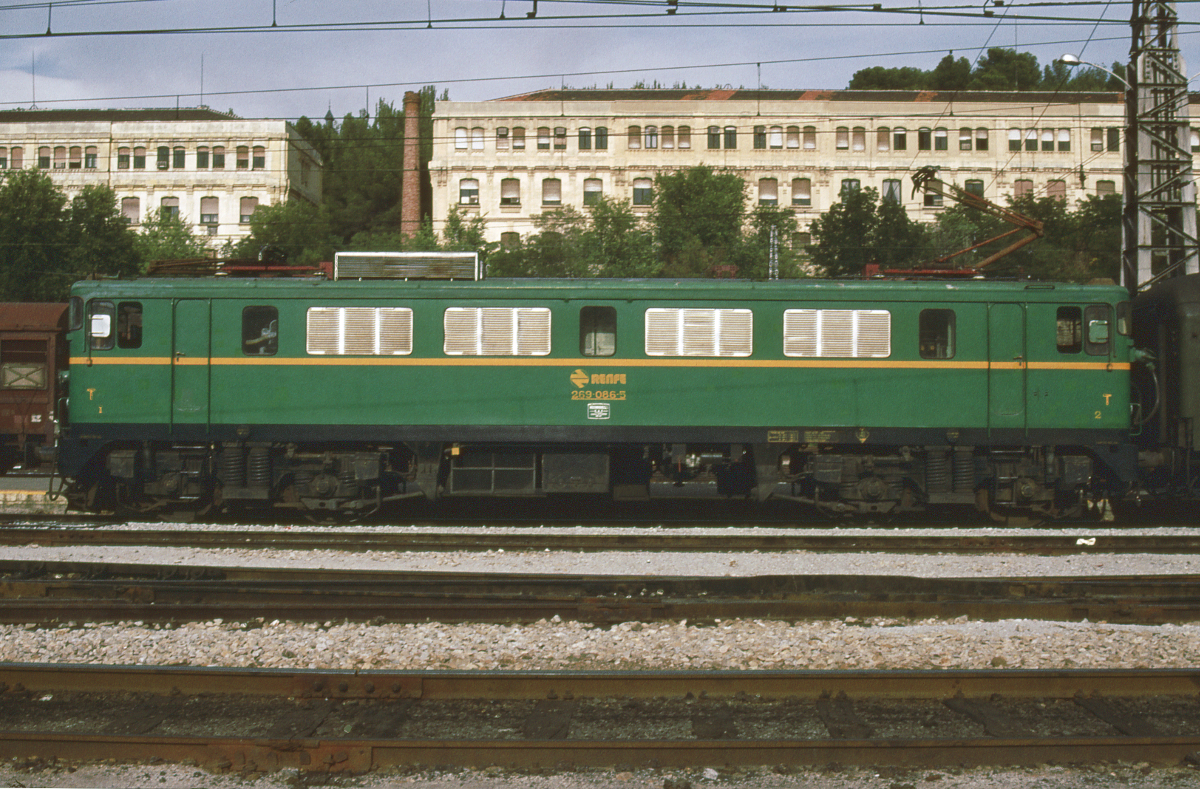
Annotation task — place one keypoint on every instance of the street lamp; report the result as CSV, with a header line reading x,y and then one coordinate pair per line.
x,y
1072,61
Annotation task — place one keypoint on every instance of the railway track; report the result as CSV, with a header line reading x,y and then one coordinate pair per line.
x,y
57,592
675,539
262,720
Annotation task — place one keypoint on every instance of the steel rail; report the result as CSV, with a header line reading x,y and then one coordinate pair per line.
x,y
75,591
1044,543
953,688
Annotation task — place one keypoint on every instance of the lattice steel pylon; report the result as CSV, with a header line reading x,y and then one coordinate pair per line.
x,y
1159,221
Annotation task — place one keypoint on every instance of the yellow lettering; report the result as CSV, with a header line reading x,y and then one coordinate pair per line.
x,y
90,393
597,378
1106,398
1097,414
101,411
620,378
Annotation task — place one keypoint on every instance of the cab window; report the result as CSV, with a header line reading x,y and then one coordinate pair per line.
x,y
937,334
1097,325
100,325
1069,330
260,331
129,324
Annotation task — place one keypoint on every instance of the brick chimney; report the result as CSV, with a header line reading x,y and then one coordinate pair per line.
x,y
410,185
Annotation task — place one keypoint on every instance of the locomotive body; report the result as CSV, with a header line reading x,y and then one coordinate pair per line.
x,y
869,396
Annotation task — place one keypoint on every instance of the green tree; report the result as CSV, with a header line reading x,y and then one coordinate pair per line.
x,y
297,228
33,239
858,230
99,240
617,244
754,259
1006,69
881,78
164,236
950,74
697,218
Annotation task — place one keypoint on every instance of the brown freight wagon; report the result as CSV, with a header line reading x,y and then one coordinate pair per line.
x,y
33,350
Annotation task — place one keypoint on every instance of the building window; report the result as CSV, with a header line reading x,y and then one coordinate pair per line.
x,y
1023,188
243,157
468,191
560,138
633,138
218,158
965,139
510,192
209,210
1064,139
802,192
793,137
714,138
933,200
941,140
593,189
178,158
981,139
810,138
883,140
850,185
202,157
477,138
1047,139
893,190
643,191
259,162
502,138
699,332
760,138
597,331
899,139
75,158
1057,190
731,137
460,138
43,158
260,331
601,138
543,138
1194,136
246,209
122,158
936,334
847,334
551,191
518,138
924,139
169,207
768,191
776,138
60,157
1031,140
975,187
842,138
139,158
1097,139
1114,139
685,138
496,331
651,137
585,138
164,157
16,158
131,210
3,158
1014,140
858,139
668,137
1106,187
510,240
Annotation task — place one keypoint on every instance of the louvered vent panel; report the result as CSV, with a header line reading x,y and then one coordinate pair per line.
x,y
662,332
497,331
358,331
737,333
800,333
533,331
461,325
874,334
395,331
699,332
837,333
324,330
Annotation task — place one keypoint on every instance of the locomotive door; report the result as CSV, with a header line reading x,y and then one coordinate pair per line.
x,y
190,364
1007,364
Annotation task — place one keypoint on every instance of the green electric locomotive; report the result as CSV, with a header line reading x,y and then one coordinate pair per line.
x,y
340,394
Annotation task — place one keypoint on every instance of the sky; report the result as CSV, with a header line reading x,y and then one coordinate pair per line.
x,y
291,58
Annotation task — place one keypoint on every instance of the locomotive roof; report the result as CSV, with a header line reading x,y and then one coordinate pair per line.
x,y
707,289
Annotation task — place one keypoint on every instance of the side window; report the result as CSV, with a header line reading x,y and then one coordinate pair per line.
x,y
1069,331
937,334
260,331
597,331
129,324
100,325
1097,325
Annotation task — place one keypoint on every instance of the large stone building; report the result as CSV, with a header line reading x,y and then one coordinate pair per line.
x,y
510,159
209,168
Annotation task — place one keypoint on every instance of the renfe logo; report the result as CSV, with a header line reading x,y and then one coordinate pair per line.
x,y
598,411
